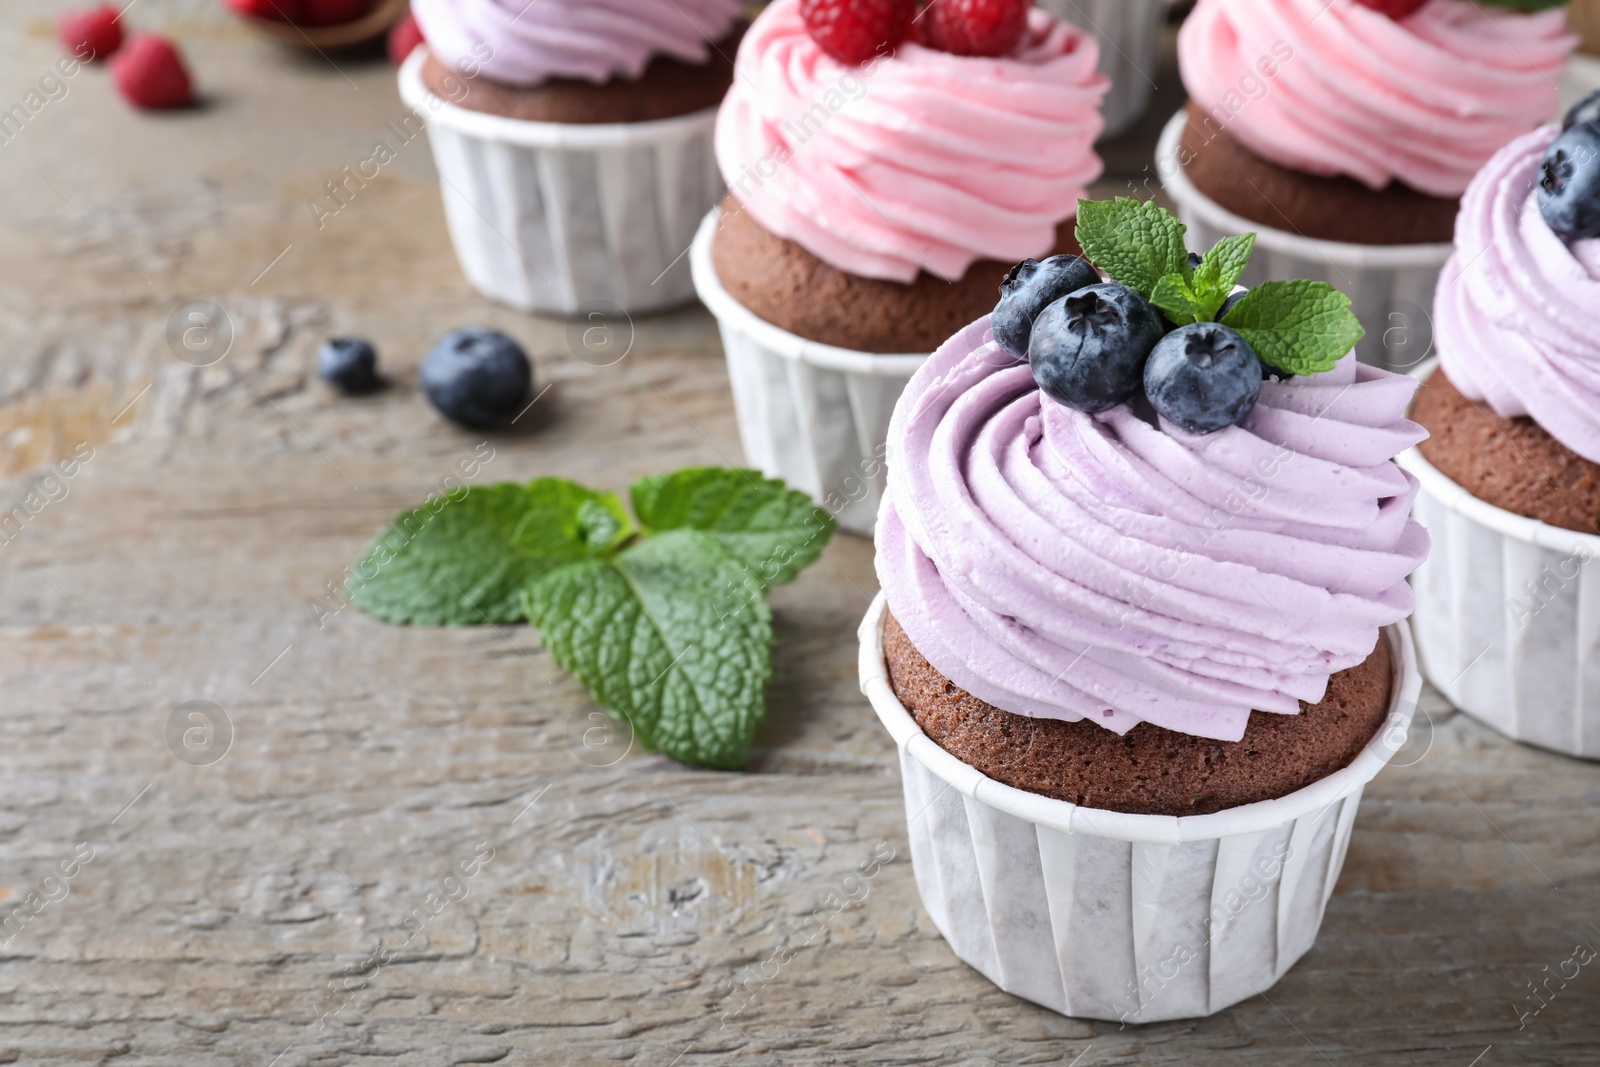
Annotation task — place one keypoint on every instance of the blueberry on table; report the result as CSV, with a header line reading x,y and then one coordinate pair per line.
x,y
1569,184
477,377
1088,348
1029,288
1585,112
1203,377
350,363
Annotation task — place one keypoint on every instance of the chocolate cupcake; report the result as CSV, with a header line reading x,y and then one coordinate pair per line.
x,y
874,208
1511,477
1344,137
574,142
1142,625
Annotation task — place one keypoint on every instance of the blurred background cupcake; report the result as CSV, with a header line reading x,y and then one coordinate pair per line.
x,y
573,140
1508,607
880,187
1129,33
1345,131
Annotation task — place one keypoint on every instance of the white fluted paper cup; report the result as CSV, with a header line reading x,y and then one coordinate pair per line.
x,y
1129,32
1390,286
1508,615
1131,918
814,415
550,216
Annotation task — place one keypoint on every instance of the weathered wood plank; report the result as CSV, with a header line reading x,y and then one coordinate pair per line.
x,y
631,910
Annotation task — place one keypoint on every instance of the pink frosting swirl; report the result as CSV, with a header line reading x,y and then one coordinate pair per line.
x,y
1335,87
1072,566
523,43
918,161
1517,315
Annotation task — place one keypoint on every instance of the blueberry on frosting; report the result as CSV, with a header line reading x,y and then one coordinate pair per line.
x,y
1203,377
1028,289
1088,349
1569,183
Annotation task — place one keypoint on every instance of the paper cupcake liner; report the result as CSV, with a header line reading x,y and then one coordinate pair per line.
x,y
1508,615
811,414
1131,918
549,216
1129,32
1390,286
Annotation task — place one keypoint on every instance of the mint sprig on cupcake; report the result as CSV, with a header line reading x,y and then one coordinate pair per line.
x,y
1168,323
661,614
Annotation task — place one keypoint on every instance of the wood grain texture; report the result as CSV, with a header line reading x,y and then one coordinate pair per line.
x,y
631,910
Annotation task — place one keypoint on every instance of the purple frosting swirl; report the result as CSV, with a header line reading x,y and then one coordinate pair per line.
x,y
1517,315
524,42
1072,566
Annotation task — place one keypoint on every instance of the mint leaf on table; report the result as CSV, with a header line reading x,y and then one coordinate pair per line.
x,y
771,529
1136,242
665,621
1178,302
1220,270
1303,327
464,560
645,632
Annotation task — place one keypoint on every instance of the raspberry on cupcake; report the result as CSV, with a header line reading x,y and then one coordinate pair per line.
x,y
1511,475
573,138
1142,621
874,207
1344,132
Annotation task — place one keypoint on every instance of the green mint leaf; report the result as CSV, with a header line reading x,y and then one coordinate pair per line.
x,y
602,526
673,635
1304,327
1136,242
1178,302
1221,270
773,530
464,560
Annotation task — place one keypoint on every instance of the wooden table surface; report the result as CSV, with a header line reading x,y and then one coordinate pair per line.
x,y
621,906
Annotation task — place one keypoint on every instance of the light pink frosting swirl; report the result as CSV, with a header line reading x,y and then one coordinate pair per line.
x,y
524,42
1071,566
922,160
1517,315
1335,87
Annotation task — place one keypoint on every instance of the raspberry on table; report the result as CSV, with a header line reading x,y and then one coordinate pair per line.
x,y
150,73
853,31
276,10
90,33
331,12
974,27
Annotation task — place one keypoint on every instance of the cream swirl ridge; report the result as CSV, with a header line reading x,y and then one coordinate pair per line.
x,y
1335,87
921,160
1072,566
523,43
1517,315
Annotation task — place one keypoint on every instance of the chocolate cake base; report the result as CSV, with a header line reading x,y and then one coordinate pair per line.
x,y
667,88
794,290
1511,463
1148,770
1335,208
